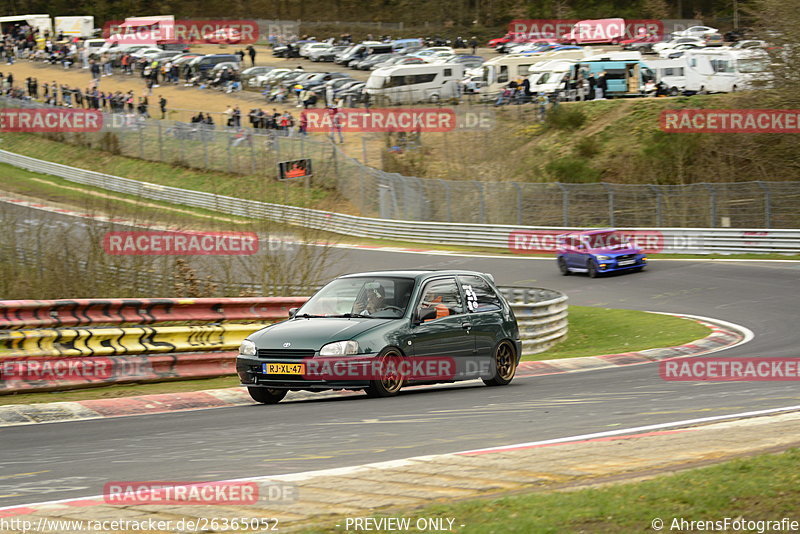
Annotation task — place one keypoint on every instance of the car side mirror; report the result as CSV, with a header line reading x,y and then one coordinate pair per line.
x,y
292,312
425,314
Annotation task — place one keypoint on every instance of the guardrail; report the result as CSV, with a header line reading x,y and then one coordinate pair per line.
x,y
33,358
518,238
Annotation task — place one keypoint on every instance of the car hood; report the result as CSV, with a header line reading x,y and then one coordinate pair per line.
x,y
615,251
312,334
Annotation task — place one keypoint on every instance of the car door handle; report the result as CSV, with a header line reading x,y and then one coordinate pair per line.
x,y
466,326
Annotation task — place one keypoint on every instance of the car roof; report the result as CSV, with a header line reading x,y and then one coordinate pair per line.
x,y
418,274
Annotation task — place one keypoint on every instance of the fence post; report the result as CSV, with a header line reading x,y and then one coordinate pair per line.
x,y
564,202
767,204
253,152
712,196
610,195
228,151
657,192
519,202
204,133
141,142
160,143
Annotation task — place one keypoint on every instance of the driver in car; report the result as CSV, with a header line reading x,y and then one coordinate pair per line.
x,y
374,301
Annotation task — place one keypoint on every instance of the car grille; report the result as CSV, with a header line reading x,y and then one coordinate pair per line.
x,y
284,354
626,257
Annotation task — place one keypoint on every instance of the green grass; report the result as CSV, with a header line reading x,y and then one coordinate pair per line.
x,y
260,186
595,331
764,487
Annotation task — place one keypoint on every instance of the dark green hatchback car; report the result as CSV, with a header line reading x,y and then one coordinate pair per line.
x,y
379,331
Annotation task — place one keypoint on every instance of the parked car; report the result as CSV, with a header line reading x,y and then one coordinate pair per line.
x,y
326,54
678,51
749,43
658,47
643,44
597,252
368,62
695,31
308,48
379,331
201,65
250,75
713,39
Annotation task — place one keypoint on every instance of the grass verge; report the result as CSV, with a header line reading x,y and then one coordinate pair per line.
x,y
594,331
759,488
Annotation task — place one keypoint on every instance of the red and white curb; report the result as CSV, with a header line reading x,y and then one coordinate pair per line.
x,y
723,336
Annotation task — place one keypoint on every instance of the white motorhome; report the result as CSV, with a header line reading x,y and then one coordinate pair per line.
x,y
724,71
43,23
408,84
548,76
137,31
672,72
75,26
497,72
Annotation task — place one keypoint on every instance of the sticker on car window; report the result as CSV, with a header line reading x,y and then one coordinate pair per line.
x,y
472,298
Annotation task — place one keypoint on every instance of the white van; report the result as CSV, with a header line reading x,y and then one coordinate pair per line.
x,y
497,72
672,72
408,84
724,71
548,76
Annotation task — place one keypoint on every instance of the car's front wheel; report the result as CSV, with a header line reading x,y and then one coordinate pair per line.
x,y
592,269
390,381
267,395
562,266
505,365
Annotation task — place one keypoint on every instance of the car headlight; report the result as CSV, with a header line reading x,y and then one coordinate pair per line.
x,y
247,348
603,258
339,348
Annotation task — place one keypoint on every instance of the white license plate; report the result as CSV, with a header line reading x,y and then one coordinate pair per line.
x,y
627,262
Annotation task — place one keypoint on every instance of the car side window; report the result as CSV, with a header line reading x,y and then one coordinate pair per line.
x,y
479,294
442,295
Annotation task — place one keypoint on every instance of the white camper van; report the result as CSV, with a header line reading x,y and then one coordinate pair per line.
x,y
408,84
724,71
548,76
672,72
497,72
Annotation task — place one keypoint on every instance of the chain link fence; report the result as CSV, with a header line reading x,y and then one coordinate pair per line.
x,y
376,193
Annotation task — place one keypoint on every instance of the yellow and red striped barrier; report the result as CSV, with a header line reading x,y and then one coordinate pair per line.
x,y
60,344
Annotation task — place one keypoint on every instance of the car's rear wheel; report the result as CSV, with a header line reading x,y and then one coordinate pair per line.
x,y
267,395
562,266
391,380
592,269
674,91
505,365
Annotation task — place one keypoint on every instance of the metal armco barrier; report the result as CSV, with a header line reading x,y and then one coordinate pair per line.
x,y
518,238
541,315
79,312
44,359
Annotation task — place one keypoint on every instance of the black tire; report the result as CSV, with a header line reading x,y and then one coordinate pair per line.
x,y
592,269
562,266
674,92
390,385
267,395
505,365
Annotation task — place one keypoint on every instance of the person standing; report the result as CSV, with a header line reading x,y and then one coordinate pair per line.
x,y
252,52
162,104
336,124
601,87
473,43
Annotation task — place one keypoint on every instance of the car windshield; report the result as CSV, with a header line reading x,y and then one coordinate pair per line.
x,y
378,297
611,240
